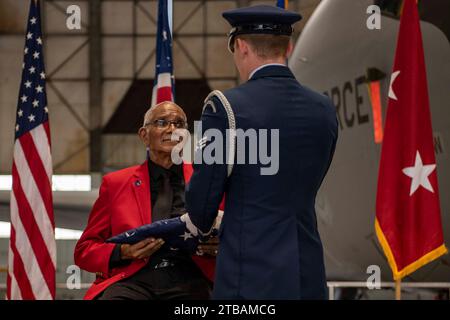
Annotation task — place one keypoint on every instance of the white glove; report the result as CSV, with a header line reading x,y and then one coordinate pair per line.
x,y
197,232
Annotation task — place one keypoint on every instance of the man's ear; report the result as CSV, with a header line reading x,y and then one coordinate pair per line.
x,y
242,45
143,135
289,50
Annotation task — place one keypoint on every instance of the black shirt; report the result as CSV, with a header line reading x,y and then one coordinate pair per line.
x,y
176,175
156,173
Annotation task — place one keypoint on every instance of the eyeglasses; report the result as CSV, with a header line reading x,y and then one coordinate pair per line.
x,y
164,124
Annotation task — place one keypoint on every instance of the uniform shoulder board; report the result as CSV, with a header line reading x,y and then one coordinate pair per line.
x,y
231,143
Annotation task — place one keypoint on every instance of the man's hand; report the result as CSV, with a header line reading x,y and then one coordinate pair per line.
x,y
140,250
209,247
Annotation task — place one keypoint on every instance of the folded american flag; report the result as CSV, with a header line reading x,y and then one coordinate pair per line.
x,y
173,231
177,233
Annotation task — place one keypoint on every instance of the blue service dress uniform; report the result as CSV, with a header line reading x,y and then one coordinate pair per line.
x,y
270,246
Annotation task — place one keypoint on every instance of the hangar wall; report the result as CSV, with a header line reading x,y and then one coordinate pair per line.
x,y
126,32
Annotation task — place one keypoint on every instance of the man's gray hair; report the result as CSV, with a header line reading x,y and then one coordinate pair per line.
x,y
147,115
150,110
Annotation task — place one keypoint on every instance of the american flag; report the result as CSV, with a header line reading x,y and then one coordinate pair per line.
x,y
283,3
173,231
163,89
32,250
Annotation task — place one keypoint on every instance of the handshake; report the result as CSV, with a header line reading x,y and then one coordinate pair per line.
x,y
178,233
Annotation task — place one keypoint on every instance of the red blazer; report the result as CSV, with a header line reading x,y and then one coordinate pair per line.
x,y
123,204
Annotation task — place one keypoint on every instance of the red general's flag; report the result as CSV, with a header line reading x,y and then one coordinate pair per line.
x,y
408,221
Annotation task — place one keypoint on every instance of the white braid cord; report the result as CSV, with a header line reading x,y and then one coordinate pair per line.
x,y
231,124
230,161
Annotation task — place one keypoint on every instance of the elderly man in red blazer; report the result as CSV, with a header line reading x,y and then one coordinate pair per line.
x,y
135,196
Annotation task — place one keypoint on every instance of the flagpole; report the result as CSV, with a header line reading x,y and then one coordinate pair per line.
x,y
398,289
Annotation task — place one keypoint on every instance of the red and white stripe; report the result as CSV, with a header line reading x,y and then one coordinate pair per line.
x,y
32,252
162,91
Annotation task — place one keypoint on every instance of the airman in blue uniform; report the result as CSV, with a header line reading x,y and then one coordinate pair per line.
x,y
270,246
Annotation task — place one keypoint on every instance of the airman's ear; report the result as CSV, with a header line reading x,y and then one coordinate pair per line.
x,y
289,50
242,45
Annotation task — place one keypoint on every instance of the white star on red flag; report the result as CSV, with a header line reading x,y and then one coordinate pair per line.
x,y
391,90
419,174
